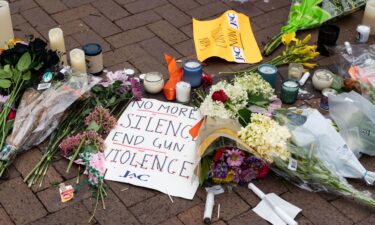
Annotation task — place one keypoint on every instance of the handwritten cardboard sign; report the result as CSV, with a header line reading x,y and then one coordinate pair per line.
x,y
151,147
229,37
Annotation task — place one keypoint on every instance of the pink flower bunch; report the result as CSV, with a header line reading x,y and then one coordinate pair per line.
x,y
93,138
103,118
69,144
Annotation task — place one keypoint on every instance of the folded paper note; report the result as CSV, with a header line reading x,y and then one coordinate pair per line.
x,y
229,37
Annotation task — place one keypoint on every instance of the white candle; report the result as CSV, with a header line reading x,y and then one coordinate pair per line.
x,y
153,82
369,15
77,60
363,33
56,41
6,28
183,91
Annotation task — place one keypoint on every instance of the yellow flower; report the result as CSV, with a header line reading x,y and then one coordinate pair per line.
x,y
306,39
12,42
289,37
309,65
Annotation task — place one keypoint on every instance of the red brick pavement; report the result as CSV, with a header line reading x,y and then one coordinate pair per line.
x,y
135,34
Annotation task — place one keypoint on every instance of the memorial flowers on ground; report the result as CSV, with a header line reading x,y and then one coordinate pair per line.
x,y
113,93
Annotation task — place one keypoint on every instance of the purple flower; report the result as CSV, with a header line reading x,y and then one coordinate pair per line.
x,y
3,99
234,157
103,118
220,170
136,89
69,144
112,77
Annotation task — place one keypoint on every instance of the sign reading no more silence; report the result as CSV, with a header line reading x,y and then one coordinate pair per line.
x,y
151,147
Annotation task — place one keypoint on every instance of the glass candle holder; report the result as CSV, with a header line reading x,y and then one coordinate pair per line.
x,y
153,82
295,71
289,91
183,92
322,78
268,73
192,72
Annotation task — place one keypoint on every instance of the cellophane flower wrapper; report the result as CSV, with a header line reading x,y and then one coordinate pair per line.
x,y
39,113
309,127
312,174
355,118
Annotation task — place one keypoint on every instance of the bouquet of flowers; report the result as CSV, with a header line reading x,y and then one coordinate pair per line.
x,y
115,92
307,14
227,100
296,51
299,165
40,113
20,66
232,165
87,148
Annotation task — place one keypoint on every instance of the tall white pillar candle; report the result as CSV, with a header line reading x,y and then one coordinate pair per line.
x,y
77,60
56,41
6,28
369,15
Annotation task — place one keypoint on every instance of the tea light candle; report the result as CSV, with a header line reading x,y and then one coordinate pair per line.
x,y
322,79
56,42
6,27
369,15
77,60
269,73
94,56
183,92
153,82
289,91
192,72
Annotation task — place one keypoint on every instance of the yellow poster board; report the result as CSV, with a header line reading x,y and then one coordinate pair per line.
x,y
229,37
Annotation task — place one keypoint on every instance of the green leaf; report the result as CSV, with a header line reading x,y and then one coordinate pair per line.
x,y
7,69
4,74
205,167
5,83
258,100
24,62
93,126
26,76
244,116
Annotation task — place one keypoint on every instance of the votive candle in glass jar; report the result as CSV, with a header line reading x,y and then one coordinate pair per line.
x,y
192,72
153,82
295,71
183,91
94,57
322,78
289,91
268,73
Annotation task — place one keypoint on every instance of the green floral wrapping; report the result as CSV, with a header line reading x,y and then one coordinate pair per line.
x,y
307,14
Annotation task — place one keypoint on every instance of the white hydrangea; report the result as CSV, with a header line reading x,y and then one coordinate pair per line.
x,y
238,100
254,84
266,137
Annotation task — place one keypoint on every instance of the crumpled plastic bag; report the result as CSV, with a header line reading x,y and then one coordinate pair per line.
x,y
355,118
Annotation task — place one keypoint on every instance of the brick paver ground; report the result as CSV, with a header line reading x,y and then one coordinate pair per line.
x,y
135,34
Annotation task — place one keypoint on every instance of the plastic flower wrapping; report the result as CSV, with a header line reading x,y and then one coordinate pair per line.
x,y
232,165
39,114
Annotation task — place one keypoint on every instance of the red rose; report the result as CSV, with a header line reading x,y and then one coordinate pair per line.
x,y
11,115
264,171
220,96
207,80
218,154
